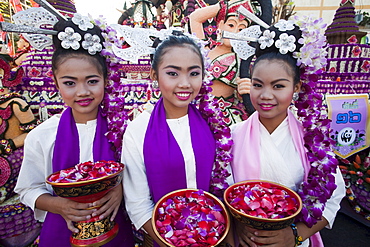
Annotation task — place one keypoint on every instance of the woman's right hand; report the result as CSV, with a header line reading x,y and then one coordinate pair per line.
x,y
70,210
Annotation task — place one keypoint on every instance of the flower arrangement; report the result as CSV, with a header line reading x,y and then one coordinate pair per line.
x,y
320,183
262,200
261,204
190,218
357,171
210,110
356,174
86,171
114,100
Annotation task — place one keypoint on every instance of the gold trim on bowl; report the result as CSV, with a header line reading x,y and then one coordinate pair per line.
x,y
95,186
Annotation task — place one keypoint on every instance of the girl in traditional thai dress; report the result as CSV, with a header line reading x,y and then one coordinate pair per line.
x,y
274,145
75,136
182,143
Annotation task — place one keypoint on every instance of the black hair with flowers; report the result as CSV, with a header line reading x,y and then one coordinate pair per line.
x,y
270,49
78,38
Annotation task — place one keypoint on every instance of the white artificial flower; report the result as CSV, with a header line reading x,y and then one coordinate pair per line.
x,y
284,25
267,39
91,43
285,43
82,22
69,39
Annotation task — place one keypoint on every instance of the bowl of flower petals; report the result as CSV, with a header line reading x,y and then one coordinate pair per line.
x,y
190,217
263,205
85,183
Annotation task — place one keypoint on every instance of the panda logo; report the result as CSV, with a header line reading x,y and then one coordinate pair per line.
x,y
346,136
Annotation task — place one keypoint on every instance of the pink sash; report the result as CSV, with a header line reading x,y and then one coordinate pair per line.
x,y
246,136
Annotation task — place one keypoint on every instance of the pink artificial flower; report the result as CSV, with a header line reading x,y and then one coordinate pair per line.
x,y
356,51
352,39
366,66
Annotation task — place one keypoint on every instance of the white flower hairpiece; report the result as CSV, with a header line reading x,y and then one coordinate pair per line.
x,y
69,38
284,25
267,39
91,43
82,22
285,43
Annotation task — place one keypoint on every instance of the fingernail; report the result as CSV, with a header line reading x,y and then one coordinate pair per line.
x,y
88,217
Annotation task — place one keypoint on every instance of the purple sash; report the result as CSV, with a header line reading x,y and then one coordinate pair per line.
x,y
164,162
67,154
67,147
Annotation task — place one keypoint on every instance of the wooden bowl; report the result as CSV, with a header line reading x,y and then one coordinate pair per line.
x,y
89,190
184,193
93,232
263,223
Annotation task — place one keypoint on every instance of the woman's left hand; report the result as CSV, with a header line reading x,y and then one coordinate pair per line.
x,y
276,238
110,203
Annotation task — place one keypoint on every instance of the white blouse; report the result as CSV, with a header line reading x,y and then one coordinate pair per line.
x,y
38,156
139,204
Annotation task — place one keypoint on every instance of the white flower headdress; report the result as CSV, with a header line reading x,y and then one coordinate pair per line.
x,y
70,38
309,48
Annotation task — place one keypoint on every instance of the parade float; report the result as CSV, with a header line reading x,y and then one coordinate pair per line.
x,y
345,84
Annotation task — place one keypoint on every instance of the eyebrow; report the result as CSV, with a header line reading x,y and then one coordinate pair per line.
x,y
273,82
74,78
179,68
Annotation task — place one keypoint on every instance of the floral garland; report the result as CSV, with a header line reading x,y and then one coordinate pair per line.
x,y
320,183
114,101
117,116
311,58
210,111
